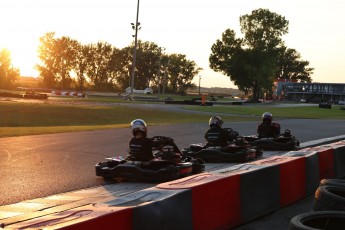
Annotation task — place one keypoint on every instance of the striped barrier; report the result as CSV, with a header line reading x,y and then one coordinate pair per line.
x,y
155,208
312,172
146,209
339,158
259,190
221,199
86,217
67,93
292,179
326,161
215,199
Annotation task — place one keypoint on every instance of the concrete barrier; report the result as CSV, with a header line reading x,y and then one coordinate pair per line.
x,y
215,199
221,199
292,178
156,208
259,189
146,209
339,158
326,161
312,172
86,217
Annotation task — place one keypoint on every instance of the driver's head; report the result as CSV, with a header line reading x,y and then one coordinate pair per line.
x,y
267,117
215,121
139,126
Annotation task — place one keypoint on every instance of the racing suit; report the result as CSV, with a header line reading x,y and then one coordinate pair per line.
x,y
140,149
265,129
217,137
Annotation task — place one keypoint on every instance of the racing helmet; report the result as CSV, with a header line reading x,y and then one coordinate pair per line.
x,y
267,117
215,121
138,125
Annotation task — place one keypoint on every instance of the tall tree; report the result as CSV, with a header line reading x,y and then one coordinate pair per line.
x,y
251,61
181,72
99,70
81,63
57,60
8,74
290,66
121,63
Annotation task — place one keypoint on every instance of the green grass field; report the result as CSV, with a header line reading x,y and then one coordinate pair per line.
x,y
19,118
69,115
310,112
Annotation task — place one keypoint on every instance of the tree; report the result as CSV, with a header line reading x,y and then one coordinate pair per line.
x,y
65,61
8,74
153,68
57,60
121,64
98,69
81,63
181,72
251,61
291,67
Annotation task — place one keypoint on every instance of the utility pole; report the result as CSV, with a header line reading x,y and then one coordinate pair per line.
x,y
135,27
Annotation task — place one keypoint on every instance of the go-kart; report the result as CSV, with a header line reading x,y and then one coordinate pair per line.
x,y
285,141
167,164
237,151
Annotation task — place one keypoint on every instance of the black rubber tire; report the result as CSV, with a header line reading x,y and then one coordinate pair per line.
x,y
333,182
329,198
329,220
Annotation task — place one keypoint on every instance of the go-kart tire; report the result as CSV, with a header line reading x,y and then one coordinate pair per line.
x,y
198,165
330,220
329,198
333,182
170,173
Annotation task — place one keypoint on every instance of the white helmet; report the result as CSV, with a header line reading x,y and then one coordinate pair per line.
x,y
215,121
139,125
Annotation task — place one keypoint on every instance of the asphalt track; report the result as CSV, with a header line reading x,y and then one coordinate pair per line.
x,y
42,165
38,166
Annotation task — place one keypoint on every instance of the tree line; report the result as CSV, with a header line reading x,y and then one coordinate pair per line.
x,y
65,63
252,62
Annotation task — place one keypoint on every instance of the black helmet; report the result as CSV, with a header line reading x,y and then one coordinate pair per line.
x,y
267,117
215,121
139,125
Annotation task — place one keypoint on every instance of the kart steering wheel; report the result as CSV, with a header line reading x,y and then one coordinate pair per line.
x,y
162,141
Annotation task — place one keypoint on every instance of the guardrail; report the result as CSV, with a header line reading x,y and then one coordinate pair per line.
x,y
220,199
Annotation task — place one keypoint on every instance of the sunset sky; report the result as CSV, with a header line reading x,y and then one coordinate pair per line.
x,y
190,27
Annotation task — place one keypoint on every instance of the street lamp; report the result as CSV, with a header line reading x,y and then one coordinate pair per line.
x,y
135,27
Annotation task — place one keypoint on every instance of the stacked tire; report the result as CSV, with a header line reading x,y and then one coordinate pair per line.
x,y
328,208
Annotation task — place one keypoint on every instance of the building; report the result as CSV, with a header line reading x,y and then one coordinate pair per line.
x,y
311,92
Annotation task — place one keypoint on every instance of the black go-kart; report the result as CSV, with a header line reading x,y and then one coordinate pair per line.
x,y
238,151
168,164
285,141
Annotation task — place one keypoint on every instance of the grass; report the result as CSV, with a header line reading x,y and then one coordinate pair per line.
x,y
19,118
310,112
69,115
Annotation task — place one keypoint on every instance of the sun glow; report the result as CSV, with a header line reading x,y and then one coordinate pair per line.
x,y
186,27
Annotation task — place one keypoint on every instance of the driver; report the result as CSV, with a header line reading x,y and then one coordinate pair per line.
x,y
267,128
140,147
216,135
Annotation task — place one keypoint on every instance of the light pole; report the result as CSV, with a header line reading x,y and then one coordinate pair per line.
x,y
135,27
